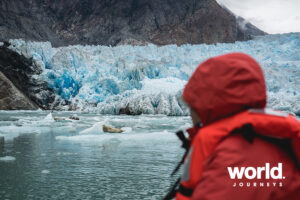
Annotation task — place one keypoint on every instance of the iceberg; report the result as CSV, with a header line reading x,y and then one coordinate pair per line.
x,y
149,79
49,118
96,128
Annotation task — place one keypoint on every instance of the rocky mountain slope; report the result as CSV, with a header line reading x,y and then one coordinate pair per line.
x,y
113,22
11,98
19,89
104,22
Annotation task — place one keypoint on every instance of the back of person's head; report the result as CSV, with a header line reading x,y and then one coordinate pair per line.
x,y
224,85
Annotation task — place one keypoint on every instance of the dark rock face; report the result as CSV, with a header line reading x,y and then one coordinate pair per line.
x,y
113,22
127,111
11,98
246,29
18,74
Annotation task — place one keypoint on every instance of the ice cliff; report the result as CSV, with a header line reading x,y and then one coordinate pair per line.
x,y
149,79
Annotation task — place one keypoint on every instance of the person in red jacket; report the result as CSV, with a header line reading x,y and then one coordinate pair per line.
x,y
243,151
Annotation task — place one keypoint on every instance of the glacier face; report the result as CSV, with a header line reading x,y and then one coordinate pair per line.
x,y
149,79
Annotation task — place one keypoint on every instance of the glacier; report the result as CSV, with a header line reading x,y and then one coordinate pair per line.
x,y
149,79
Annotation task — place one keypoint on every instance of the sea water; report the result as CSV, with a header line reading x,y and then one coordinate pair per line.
x,y
43,158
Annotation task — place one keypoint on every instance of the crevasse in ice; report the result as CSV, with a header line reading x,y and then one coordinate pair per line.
x,y
149,79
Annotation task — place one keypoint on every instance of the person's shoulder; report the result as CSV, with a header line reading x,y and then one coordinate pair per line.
x,y
235,153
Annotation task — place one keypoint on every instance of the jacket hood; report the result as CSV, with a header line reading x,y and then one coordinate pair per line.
x,y
225,85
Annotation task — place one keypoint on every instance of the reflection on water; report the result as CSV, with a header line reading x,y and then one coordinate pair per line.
x,y
69,159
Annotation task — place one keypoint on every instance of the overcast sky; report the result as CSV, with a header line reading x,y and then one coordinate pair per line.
x,y
272,16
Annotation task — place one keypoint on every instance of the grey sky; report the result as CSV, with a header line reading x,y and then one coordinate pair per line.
x,y
272,16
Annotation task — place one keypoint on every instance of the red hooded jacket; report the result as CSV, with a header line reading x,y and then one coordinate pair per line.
x,y
229,95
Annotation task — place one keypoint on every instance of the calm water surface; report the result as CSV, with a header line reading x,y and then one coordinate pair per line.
x,y
66,159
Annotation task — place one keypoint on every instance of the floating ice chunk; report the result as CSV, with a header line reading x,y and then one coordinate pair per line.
x,y
7,159
48,118
96,128
74,117
1,43
126,139
126,129
45,171
11,132
65,153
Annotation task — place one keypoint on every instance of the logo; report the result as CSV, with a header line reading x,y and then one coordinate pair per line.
x,y
257,177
